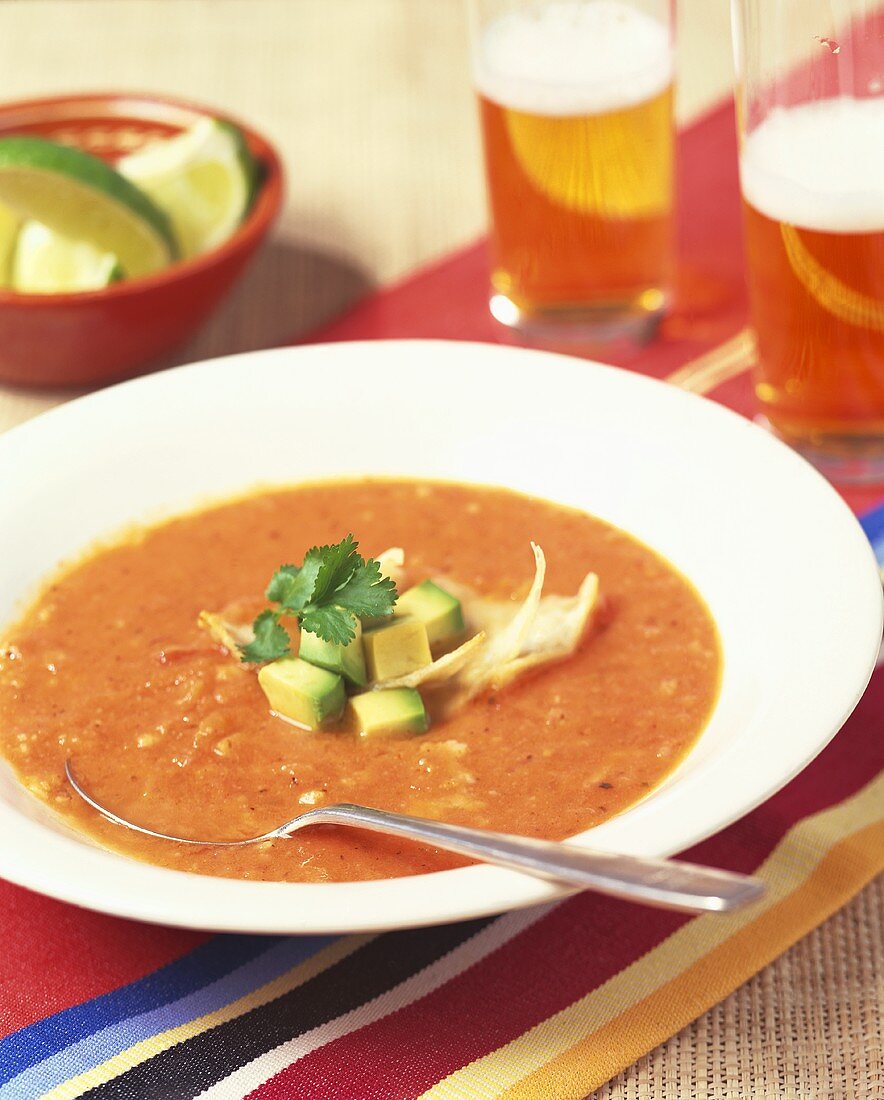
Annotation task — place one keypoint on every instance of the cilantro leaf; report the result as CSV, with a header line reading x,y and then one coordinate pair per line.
x,y
332,624
367,593
271,640
332,588
337,566
292,588
280,582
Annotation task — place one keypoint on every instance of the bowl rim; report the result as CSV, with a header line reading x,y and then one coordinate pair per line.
x,y
265,207
112,883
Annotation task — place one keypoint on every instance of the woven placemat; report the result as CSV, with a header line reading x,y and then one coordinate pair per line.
x,y
807,1027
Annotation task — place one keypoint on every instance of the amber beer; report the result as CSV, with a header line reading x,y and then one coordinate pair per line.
x,y
813,185
576,113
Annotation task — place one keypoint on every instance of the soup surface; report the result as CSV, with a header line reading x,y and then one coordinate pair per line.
x,y
109,667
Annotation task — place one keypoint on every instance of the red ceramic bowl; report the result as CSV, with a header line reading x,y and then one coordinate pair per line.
x,y
82,339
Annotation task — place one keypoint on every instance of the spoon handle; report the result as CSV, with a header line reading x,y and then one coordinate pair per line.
x,y
666,883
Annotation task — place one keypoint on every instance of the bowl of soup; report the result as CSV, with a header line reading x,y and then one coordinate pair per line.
x,y
697,613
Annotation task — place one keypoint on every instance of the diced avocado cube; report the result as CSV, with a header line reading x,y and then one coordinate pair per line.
x,y
392,710
347,660
395,649
437,609
302,692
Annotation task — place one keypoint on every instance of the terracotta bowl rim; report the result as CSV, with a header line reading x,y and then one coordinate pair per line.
x,y
263,211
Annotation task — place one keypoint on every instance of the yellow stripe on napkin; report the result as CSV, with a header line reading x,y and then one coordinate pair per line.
x,y
817,867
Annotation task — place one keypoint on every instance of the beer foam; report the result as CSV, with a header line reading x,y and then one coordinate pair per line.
x,y
819,165
573,57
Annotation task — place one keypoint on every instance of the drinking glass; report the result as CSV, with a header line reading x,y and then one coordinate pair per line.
x,y
575,99
810,78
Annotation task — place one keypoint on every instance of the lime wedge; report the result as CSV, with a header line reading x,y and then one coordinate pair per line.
x,y
9,224
81,197
203,178
48,263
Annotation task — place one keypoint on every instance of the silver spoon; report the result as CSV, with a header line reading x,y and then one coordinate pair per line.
x,y
665,883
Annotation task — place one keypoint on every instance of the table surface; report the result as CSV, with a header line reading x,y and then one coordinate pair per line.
x,y
369,102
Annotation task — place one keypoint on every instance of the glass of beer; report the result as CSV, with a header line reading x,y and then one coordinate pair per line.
x,y
810,98
575,99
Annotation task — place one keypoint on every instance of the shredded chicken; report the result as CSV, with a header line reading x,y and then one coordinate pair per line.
x,y
540,631
392,563
230,635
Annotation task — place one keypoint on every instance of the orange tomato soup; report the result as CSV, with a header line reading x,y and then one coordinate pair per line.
x,y
109,667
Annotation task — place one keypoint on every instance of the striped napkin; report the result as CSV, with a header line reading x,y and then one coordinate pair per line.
x,y
543,1003
546,1003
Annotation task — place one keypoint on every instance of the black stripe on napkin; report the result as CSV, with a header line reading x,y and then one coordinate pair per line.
x,y
185,1070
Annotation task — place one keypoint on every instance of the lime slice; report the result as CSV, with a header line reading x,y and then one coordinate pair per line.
x,y
48,263
9,224
613,165
81,197
204,180
834,295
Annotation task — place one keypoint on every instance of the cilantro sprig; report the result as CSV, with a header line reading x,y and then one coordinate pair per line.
x,y
331,588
